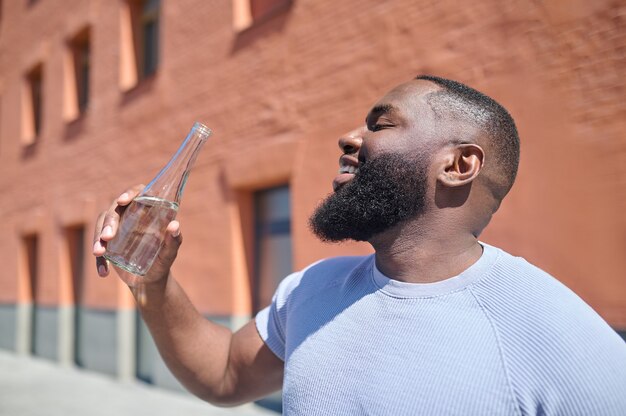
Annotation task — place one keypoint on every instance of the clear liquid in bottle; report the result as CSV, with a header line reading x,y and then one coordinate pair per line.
x,y
141,234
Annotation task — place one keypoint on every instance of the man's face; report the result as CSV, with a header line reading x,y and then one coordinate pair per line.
x,y
383,176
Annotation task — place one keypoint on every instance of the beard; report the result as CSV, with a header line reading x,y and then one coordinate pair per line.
x,y
386,191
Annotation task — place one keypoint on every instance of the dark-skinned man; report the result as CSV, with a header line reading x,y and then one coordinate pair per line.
x,y
435,322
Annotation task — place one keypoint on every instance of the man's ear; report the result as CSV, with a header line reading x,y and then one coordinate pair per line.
x,y
461,165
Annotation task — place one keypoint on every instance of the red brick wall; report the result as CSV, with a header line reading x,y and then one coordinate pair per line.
x,y
277,96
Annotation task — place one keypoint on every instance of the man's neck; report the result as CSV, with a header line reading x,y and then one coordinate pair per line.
x,y
415,254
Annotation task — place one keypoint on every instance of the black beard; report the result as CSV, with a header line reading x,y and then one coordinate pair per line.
x,y
387,190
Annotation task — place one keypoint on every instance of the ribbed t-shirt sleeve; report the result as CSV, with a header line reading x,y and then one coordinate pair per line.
x,y
270,322
268,326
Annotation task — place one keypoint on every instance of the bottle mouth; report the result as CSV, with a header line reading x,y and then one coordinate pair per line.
x,y
202,129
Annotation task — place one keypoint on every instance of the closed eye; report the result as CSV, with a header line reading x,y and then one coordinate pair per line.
x,y
381,117
378,127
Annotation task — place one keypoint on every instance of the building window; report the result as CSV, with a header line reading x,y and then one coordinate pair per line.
x,y
33,102
139,35
30,248
150,37
146,353
247,12
272,238
75,237
77,70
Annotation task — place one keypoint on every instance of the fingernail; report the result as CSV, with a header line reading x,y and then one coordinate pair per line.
x,y
102,270
96,246
124,196
107,230
176,232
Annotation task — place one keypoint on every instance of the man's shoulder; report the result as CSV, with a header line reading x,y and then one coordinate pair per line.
x,y
515,272
553,342
321,275
533,307
335,266
526,301
330,271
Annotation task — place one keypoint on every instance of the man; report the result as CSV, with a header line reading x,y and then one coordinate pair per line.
x,y
435,322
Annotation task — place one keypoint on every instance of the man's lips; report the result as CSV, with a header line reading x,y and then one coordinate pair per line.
x,y
342,179
348,167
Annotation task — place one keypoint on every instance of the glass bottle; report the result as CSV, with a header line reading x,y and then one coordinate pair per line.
x,y
142,228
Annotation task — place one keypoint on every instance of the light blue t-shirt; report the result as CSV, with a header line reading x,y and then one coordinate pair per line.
x,y
501,338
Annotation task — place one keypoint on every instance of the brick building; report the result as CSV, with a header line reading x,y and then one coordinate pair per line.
x,y
95,96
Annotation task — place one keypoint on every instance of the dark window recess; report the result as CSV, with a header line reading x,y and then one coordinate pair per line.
x,y
31,249
75,237
82,74
35,84
149,37
262,8
81,51
272,248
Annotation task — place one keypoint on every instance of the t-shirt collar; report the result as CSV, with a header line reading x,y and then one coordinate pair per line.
x,y
399,289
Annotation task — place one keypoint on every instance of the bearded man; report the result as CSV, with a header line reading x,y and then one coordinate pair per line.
x,y
435,322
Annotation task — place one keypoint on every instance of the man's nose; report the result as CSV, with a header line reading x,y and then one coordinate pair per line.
x,y
351,142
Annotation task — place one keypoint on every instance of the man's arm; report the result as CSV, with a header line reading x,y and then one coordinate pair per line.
x,y
208,359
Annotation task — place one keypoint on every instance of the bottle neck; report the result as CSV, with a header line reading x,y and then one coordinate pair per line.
x,y
169,183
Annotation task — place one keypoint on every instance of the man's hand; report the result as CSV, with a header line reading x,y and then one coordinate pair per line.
x,y
106,228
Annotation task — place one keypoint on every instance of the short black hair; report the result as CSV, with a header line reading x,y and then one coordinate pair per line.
x,y
472,106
